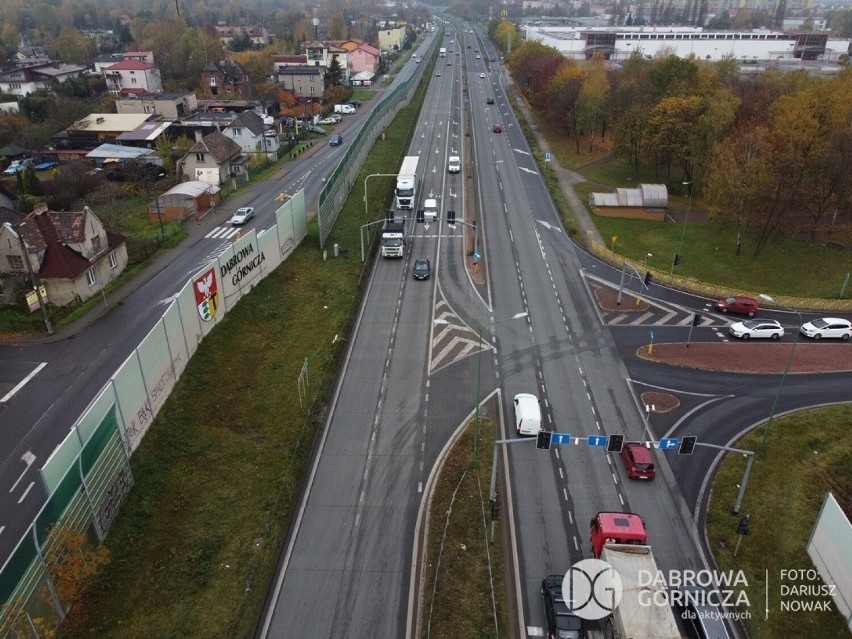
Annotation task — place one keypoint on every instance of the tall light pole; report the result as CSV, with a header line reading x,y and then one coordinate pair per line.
x,y
783,375
481,329
677,256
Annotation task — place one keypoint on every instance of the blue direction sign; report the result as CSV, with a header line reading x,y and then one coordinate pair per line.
x,y
477,255
560,438
596,440
669,443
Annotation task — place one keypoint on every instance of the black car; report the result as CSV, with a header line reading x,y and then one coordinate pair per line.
x,y
335,140
422,269
355,103
489,101
561,622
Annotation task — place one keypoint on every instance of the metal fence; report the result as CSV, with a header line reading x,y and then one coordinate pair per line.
x,y
88,475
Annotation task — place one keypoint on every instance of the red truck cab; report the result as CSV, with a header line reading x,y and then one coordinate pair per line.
x,y
616,528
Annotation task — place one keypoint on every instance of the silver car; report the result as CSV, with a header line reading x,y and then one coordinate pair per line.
x,y
242,215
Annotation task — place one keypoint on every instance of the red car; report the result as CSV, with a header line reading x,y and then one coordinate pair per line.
x,y
497,128
738,304
638,461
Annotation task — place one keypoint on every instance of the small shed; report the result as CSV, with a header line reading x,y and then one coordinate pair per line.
x,y
183,201
649,201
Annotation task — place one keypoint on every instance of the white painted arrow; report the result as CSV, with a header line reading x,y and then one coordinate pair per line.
x,y
549,226
527,170
521,151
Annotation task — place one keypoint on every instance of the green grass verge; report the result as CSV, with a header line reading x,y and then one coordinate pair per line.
x,y
709,255
806,456
217,475
465,589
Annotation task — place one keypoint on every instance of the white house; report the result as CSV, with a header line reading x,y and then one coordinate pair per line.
x,y
133,76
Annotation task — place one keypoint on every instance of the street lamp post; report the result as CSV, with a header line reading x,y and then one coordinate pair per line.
x,y
679,253
766,428
481,329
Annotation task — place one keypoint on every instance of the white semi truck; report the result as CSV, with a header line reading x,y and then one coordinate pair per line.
x,y
406,183
642,612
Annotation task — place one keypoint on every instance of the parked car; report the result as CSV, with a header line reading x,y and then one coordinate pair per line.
x,y
355,103
562,623
328,121
497,128
335,140
316,129
638,461
738,304
770,329
832,327
422,269
18,166
242,215
46,166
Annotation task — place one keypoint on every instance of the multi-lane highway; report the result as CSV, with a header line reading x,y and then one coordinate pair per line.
x,y
350,566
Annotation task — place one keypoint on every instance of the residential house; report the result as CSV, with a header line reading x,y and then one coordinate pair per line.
x,y
225,77
392,39
71,252
364,57
28,54
213,159
107,60
259,36
133,77
249,131
22,81
305,82
97,128
139,56
173,105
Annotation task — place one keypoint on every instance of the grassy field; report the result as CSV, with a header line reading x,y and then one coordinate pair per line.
x,y
218,473
465,589
806,456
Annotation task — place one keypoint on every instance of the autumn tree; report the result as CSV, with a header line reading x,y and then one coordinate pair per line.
x,y
73,561
739,179
672,132
594,94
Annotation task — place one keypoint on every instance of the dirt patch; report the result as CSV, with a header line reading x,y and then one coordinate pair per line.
x,y
608,301
662,402
752,358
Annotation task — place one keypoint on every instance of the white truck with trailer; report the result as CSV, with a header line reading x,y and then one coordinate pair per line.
x,y
643,612
406,183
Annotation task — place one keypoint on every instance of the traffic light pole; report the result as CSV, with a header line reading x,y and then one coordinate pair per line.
x,y
746,474
492,490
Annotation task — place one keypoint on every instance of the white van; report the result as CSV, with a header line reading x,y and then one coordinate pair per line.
x,y
345,109
454,164
527,414
430,210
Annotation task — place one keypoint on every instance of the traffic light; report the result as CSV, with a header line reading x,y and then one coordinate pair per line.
x,y
687,445
495,509
696,320
421,217
389,216
451,217
615,443
542,440
647,278
743,527
676,260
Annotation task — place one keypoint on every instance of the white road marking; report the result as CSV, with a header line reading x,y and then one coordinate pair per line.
x,y
22,383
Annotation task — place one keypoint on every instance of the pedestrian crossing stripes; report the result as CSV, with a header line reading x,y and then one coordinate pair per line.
x,y
223,232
